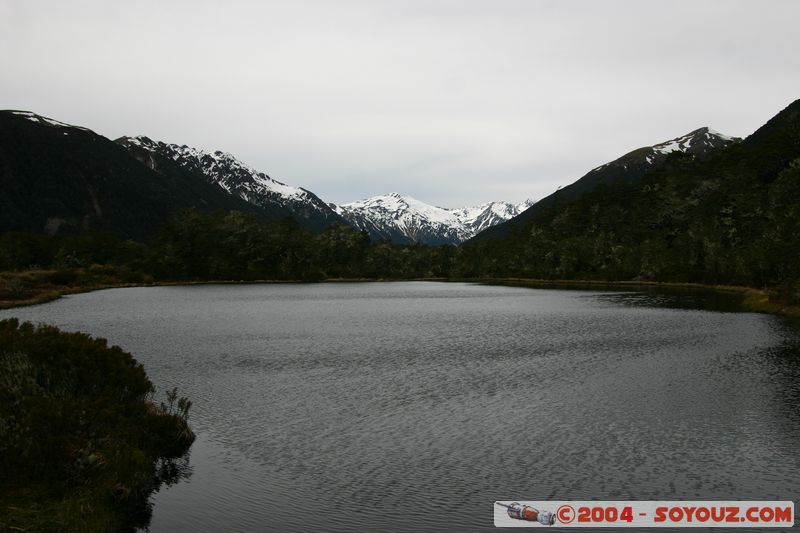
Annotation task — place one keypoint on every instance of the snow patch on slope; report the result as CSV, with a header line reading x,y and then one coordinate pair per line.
x,y
681,144
693,141
715,133
33,117
240,179
699,142
224,169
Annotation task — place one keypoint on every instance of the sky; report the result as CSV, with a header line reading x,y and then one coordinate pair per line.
x,y
454,102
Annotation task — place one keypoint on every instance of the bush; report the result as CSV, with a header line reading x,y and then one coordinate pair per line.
x,y
76,421
63,277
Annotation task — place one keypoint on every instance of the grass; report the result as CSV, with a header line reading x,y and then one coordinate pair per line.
x,y
38,509
33,287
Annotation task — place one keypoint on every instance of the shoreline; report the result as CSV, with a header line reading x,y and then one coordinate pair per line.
x,y
753,299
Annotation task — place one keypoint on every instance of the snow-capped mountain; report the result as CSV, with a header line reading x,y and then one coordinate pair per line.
x,y
241,180
486,215
394,217
403,219
700,143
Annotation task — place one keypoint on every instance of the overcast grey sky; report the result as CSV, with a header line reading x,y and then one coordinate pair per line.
x,y
453,102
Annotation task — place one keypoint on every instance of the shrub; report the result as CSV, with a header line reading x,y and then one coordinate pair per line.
x,y
63,277
76,422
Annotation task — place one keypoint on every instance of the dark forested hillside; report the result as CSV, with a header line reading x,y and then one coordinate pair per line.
x,y
733,218
222,245
57,178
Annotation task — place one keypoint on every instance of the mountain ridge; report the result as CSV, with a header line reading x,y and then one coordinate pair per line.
x,y
632,166
403,219
730,218
394,217
239,179
60,178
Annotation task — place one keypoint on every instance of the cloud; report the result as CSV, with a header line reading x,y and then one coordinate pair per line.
x,y
453,102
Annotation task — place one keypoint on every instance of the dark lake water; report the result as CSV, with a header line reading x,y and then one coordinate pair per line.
x,y
414,406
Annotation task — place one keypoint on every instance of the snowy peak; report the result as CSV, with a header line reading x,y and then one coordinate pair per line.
x,y
699,141
404,219
398,206
490,214
238,178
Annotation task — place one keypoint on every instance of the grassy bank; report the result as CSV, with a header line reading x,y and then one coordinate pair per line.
x,y
82,444
753,300
32,287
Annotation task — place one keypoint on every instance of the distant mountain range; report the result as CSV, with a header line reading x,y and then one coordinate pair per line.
x,y
59,178
402,219
392,217
700,208
62,178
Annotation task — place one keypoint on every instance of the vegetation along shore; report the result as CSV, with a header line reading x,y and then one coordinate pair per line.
x,y
83,442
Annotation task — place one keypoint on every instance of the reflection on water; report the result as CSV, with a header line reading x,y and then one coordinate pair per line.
x,y
136,511
174,470
414,406
677,299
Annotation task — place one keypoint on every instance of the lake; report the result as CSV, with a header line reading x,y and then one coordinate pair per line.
x,y
414,406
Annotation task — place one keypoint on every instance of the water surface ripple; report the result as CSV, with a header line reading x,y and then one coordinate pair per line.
x,y
414,406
